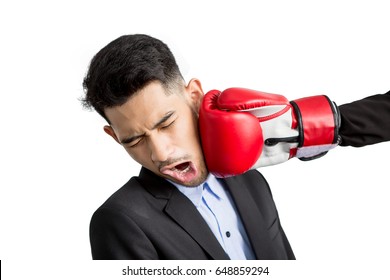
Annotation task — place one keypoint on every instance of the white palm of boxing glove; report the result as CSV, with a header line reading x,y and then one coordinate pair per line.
x,y
279,136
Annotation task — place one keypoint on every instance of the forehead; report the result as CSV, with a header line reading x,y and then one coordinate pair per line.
x,y
145,107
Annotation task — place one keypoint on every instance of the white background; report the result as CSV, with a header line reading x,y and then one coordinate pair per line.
x,y
58,166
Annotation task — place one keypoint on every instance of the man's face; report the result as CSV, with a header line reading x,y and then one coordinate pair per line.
x,y
160,132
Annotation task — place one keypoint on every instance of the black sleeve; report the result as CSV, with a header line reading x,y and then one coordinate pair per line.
x,y
366,121
115,236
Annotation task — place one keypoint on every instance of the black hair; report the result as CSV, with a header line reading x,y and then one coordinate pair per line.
x,y
125,66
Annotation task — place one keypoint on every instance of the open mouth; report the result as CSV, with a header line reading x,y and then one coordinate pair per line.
x,y
182,167
182,172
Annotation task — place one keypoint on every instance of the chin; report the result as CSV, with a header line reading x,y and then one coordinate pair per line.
x,y
199,180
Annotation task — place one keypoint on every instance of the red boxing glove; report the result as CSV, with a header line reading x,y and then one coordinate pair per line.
x,y
232,141
243,129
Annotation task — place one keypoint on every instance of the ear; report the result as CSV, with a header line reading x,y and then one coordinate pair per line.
x,y
195,93
110,131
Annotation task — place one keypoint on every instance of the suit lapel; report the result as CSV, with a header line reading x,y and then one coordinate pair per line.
x,y
183,212
252,219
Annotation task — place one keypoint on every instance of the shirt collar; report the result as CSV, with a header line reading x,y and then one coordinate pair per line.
x,y
214,186
195,193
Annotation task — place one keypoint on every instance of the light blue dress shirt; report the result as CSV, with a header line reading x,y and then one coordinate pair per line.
x,y
217,208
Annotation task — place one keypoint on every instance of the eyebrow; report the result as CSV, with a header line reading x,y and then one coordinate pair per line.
x,y
156,125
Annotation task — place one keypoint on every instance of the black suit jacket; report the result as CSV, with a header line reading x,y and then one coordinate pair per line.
x,y
148,218
365,122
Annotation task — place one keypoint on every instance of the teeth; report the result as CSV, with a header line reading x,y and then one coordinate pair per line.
x,y
184,170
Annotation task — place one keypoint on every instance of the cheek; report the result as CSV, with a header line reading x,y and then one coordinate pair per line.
x,y
189,134
139,155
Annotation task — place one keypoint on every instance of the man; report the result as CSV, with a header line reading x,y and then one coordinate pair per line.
x,y
175,208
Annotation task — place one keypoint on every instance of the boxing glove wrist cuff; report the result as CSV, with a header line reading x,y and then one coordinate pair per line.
x,y
318,121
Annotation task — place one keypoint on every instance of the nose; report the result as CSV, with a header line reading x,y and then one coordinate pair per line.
x,y
160,148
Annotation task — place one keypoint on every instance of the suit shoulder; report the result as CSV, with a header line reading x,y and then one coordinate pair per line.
x,y
255,182
135,199
253,177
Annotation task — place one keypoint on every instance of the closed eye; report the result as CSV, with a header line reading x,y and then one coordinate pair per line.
x,y
168,125
136,143
133,141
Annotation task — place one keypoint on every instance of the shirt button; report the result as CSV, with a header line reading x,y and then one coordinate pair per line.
x,y
228,234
